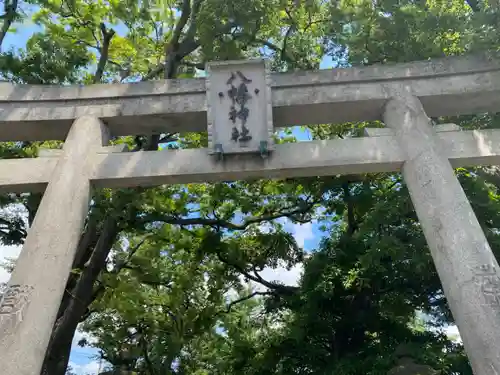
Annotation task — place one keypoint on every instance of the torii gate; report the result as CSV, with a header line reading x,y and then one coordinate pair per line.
x,y
240,116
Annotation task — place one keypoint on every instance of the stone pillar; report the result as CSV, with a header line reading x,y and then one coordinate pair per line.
x,y
464,261
29,307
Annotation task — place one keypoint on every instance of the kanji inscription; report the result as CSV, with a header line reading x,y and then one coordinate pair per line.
x,y
13,304
488,281
239,107
239,111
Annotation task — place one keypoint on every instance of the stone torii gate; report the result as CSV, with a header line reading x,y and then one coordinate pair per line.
x,y
241,104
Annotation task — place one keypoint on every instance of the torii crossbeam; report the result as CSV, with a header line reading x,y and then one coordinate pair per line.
x,y
403,96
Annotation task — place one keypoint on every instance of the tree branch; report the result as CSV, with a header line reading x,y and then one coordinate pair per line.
x,y
172,47
103,59
193,22
285,289
118,267
474,5
351,218
284,54
185,13
186,47
242,299
291,214
167,138
281,50
10,9
199,66
87,243
89,45
154,72
144,346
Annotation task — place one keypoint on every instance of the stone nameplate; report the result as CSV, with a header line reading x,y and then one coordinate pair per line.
x,y
239,108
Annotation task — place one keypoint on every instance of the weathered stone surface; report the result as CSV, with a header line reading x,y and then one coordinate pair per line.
x,y
446,87
384,132
359,155
13,305
463,258
37,284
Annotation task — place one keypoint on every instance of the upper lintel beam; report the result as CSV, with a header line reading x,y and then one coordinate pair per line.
x,y
452,86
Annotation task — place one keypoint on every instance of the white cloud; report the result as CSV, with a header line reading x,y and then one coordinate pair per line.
x,y
13,210
291,277
267,226
91,368
453,333
302,233
77,337
7,252
281,274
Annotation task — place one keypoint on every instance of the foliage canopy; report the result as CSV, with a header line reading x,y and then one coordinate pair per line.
x,y
170,280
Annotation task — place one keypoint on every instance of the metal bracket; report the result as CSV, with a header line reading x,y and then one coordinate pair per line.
x,y
263,149
219,152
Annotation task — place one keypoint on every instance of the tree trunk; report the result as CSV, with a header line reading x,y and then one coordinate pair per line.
x,y
104,50
10,9
57,357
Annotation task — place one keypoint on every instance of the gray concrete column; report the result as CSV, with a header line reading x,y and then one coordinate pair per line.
x,y
467,268
29,307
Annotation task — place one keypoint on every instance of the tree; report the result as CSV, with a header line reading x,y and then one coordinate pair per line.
x,y
175,252
79,35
